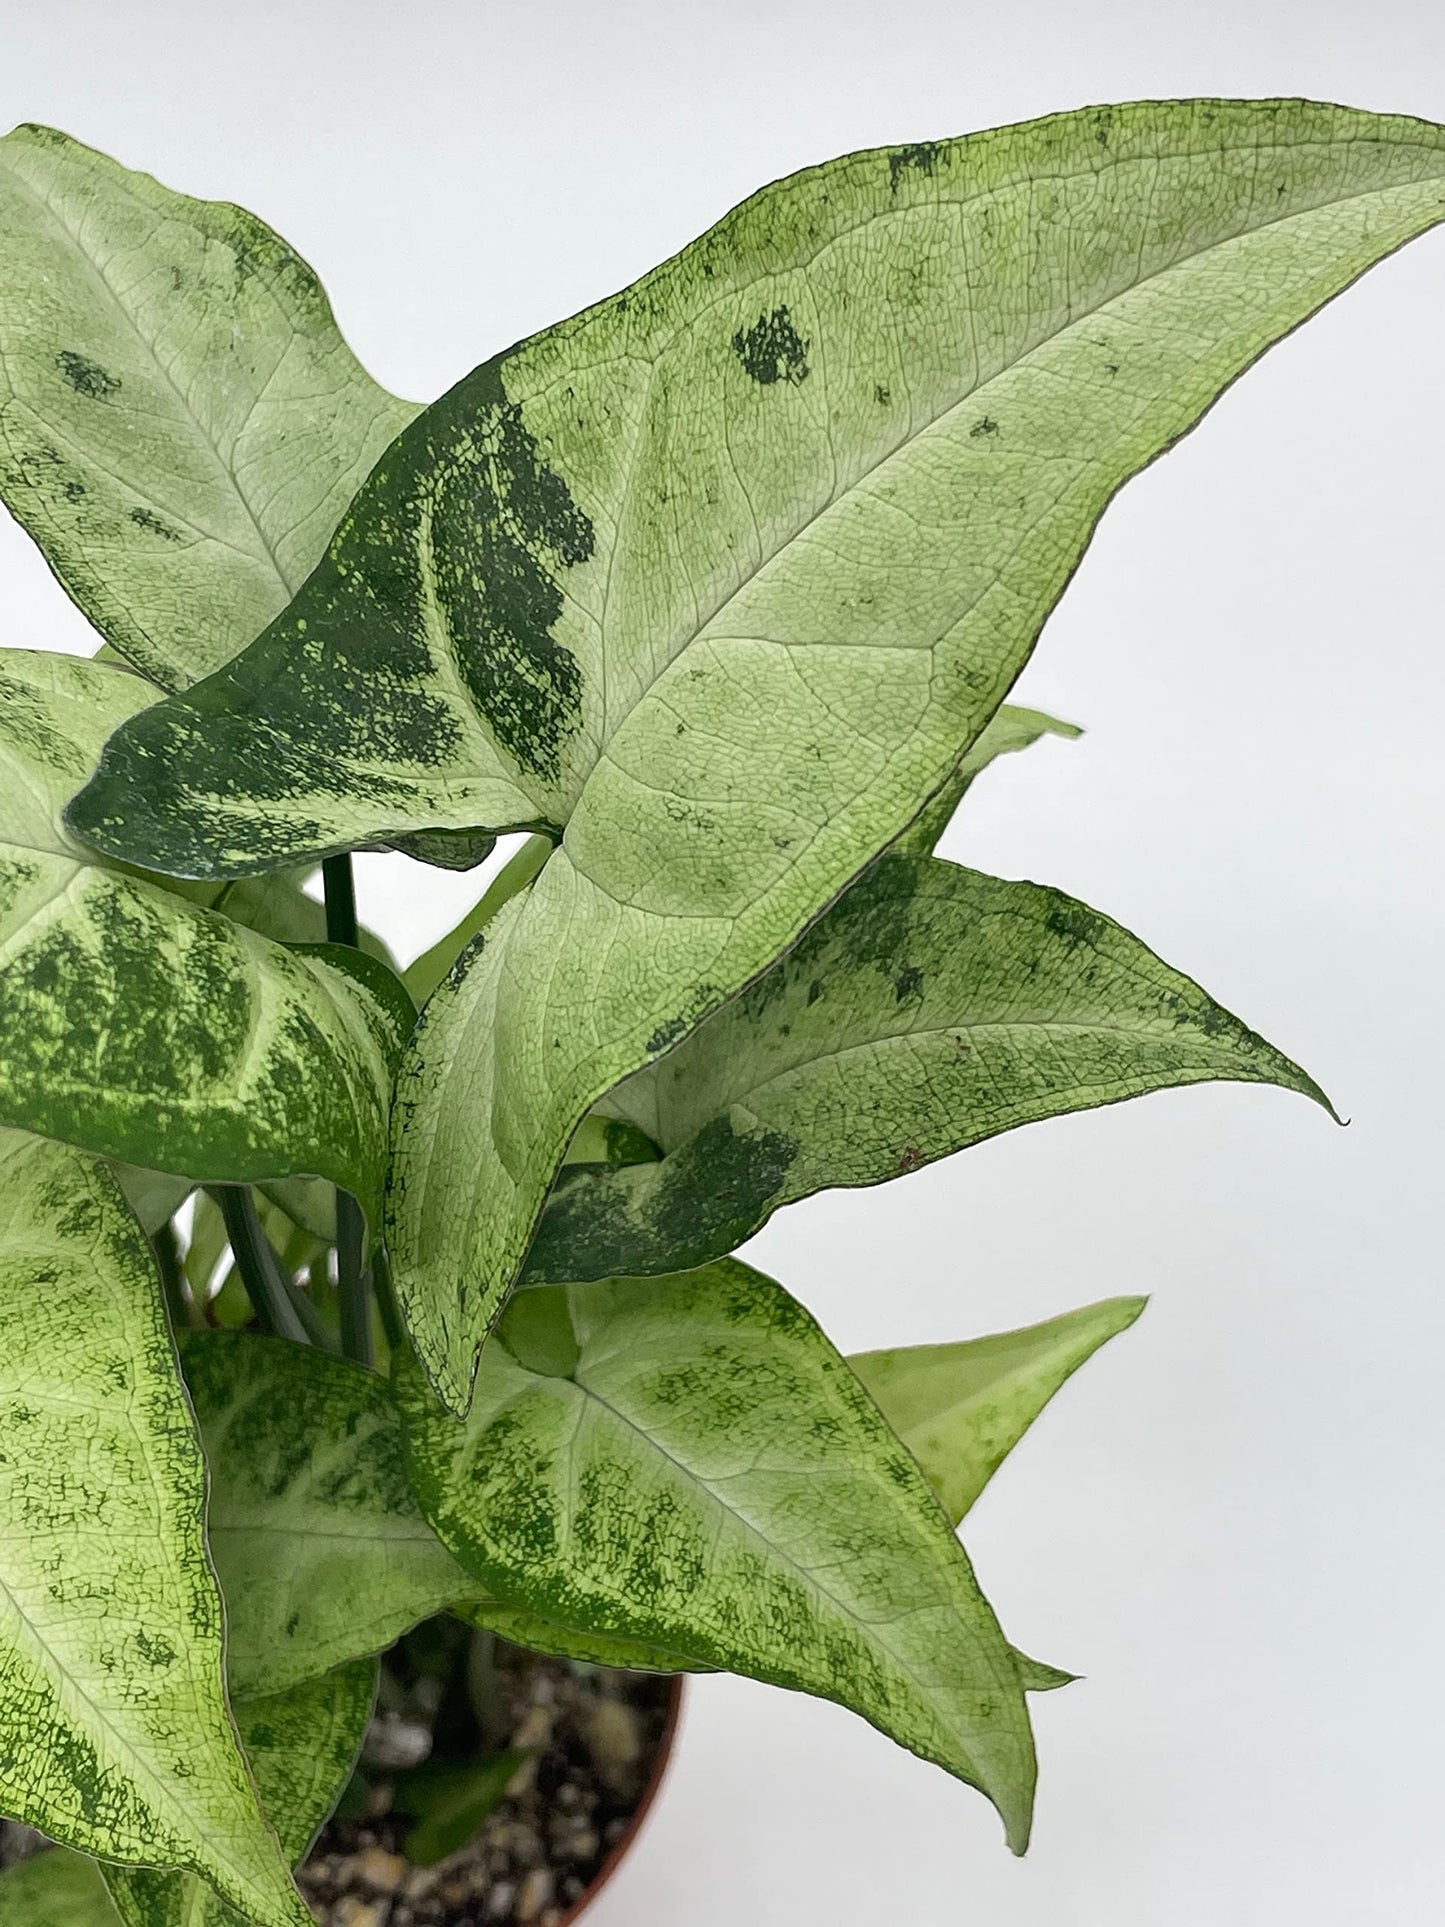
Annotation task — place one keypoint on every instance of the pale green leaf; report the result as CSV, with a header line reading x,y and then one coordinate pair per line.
x,y
423,976
961,1409
307,1202
181,423
320,1546
1037,1677
151,1029
56,1889
302,1746
55,715
114,1730
710,1479
1009,730
726,576
930,1008
321,1550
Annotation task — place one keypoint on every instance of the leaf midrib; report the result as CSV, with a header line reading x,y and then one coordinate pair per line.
x,y
926,1033
970,395
810,1579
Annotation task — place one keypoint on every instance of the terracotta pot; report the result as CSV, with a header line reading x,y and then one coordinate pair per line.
x,y
628,1839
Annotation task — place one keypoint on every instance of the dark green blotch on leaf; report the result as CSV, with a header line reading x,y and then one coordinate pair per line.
x,y
503,526
86,377
924,156
148,520
772,349
643,1220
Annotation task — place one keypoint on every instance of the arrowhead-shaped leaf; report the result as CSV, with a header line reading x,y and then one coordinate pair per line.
x,y
181,424
930,1008
725,576
961,1409
56,1889
301,1746
689,1463
320,1548
149,1028
114,1731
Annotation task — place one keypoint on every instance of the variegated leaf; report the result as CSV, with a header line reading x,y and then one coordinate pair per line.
x,y
725,577
930,1008
1012,729
321,1548
181,423
149,1028
301,1746
322,1553
114,1731
687,1462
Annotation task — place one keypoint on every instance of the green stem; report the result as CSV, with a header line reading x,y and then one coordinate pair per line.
x,y
167,1248
352,1284
258,1265
386,1301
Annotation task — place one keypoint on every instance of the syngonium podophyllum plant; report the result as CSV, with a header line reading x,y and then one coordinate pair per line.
x,y
716,591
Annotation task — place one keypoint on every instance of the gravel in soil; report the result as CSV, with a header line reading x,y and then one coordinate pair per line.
x,y
593,1736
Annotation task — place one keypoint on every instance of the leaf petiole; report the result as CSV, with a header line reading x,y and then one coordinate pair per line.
x,y
276,1305
352,1282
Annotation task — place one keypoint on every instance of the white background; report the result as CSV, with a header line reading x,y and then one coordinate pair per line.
x,y
1231,1521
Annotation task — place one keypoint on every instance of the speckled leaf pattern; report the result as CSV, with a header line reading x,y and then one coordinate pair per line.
x,y
726,575
688,1462
961,1409
56,1889
152,1029
319,1543
181,423
114,1731
930,1008
321,1550
302,1746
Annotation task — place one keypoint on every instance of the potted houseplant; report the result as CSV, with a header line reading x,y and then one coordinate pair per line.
x,y
358,1312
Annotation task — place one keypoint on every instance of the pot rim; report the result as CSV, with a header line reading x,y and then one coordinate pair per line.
x,y
627,1839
